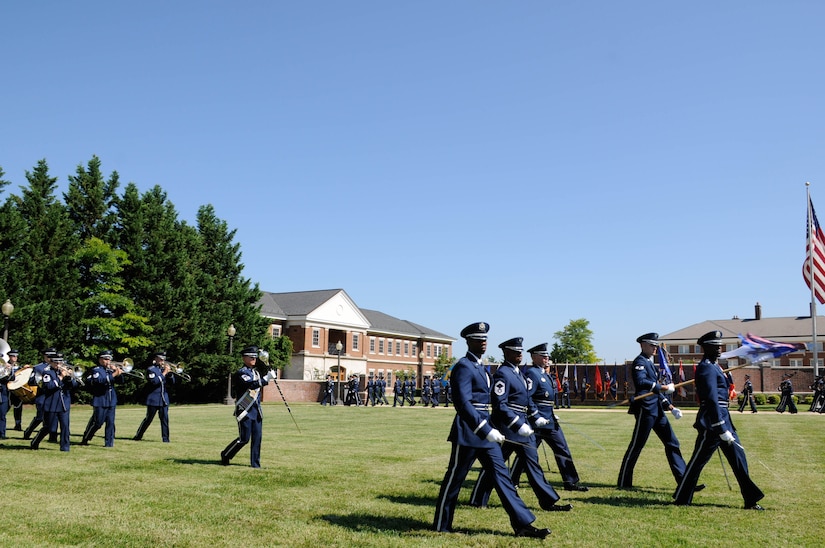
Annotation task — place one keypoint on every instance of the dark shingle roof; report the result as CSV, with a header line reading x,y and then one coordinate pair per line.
x,y
385,323
783,328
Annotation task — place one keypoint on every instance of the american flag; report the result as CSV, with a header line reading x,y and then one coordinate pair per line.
x,y
818,241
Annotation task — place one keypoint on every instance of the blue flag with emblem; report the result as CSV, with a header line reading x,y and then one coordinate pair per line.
x,y
664,369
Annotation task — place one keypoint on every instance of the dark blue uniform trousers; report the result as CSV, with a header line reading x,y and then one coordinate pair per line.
x,y
528,456
645,422
492,462
248,429
706,445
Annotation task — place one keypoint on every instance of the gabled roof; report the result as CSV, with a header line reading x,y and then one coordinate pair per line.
x,y
783,328
384,323
301,304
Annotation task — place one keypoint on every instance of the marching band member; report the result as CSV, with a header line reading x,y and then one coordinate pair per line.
x,y
101,382
714,427
157,401
248,410
473,438
57,383
37,372
15,403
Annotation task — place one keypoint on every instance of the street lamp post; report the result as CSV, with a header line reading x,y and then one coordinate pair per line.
x,y
338,348
8,308
421,366
230,331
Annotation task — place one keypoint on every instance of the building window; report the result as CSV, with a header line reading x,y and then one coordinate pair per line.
x,y
415,348
438,351
372,345
429,350
684,349
406,348
389,347
819,362
731,346
274,330
355,340
380,346
397,348
796,363
316,338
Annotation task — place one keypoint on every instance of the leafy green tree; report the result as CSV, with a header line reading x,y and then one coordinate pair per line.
x,y
574,343
442,364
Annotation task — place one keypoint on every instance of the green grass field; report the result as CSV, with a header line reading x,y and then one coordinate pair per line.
x,y
370,476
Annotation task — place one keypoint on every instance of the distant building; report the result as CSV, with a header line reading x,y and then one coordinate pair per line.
x,y
371,342
681,345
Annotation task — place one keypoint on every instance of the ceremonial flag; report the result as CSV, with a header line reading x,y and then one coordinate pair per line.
x,y
757,349
598,382
682,391
575,379
817,240
614,383
664,368
565,374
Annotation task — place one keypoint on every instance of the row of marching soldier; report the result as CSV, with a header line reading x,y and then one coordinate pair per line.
x,y
49,386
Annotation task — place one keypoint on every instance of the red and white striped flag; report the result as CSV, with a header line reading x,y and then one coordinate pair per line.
x,y
817,240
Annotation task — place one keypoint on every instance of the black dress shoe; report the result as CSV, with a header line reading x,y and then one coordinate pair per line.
x,y
576,487
558,508
698,487
754,507
224,461
532,532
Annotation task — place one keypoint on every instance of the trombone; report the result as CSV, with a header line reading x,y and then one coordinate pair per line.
x,y
74,370
126,367
177,369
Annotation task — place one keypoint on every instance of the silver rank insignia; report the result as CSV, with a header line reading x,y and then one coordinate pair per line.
x,y
543,379
499,388
529,383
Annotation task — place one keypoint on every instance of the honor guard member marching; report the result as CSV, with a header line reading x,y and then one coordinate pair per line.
x,y
786,387
398,392
715,429
448,393
371,390
747,395
157,401
542,393
425,392
436,387
101,382
57,385
511,408
37,373
473,437
650,415
409,390
565,393
248,409
818,401
382,389
329,392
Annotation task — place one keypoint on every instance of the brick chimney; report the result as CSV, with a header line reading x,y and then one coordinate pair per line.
x,y
757,311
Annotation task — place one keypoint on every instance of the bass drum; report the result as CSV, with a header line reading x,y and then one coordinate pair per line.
x,y
20,385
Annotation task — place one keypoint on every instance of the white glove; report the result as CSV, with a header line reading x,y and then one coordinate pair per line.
x,y
541,421
525,430
495,436
669,388
677,413
726,436
556,417
270,376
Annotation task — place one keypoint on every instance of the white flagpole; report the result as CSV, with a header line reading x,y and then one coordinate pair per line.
x,y
813,277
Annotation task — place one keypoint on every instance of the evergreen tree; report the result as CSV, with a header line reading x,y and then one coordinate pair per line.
x,y
46,311
90,200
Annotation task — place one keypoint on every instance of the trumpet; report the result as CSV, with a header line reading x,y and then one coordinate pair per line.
x,y
126,367
177,369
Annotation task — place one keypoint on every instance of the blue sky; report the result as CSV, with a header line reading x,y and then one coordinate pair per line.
x,y
638,164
